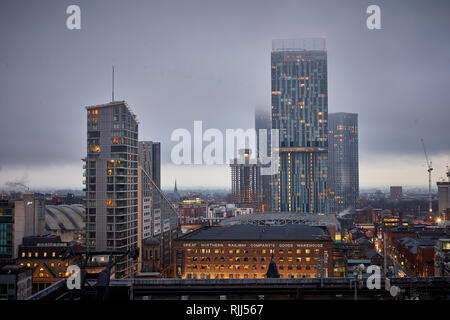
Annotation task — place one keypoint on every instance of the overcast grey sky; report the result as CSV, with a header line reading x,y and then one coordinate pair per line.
x,y
180,61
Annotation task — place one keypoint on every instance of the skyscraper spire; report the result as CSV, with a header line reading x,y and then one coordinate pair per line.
x,y
175,192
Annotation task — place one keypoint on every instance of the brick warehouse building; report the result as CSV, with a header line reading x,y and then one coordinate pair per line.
x,y
245,251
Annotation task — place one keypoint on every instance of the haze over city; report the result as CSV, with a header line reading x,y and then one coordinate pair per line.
x,y
210,61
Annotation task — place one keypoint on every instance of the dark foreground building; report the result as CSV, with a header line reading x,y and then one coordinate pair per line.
x,y
245,251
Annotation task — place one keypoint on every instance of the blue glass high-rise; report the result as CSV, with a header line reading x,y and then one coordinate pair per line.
x,y
300,112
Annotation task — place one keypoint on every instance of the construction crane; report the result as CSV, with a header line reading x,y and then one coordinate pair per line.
x,y
430,168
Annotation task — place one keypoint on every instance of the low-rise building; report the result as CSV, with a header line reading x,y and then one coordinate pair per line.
x,y
15,282
44,256
244,251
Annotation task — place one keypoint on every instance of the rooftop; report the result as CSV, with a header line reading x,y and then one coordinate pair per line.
x,y
112,104
65,217
283,218
299,44
256,232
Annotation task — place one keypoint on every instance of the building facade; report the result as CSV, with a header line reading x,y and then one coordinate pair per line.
x,y
112,181
18,219
157,220
43,255
7,240
15,282
396,192
192,211
245,251
263,121
444,197
343,163
150,160
300,113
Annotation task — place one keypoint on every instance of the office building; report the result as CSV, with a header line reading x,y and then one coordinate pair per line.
x,y
150,160
444,198
112,181
246,190
396,192
19,219
300,113
6,230
343,163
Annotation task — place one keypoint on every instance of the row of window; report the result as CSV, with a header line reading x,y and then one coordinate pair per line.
x,y
37,255
59,264
242,276
262,259
254,251
245,267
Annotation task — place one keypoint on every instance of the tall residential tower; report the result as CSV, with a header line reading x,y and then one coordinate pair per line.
x,y
112,181
343,161
246,190
263,121
300,112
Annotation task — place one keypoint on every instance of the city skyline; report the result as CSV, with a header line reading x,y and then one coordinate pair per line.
x,y
390,150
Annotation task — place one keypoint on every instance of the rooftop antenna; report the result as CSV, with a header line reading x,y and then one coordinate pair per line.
x,y
113,84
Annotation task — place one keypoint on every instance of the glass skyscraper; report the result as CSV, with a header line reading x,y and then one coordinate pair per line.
x,y
263,121
300,112
343,161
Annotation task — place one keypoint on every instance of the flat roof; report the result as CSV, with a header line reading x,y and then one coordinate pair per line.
x,y
257,233
284,218
111,104
108,104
